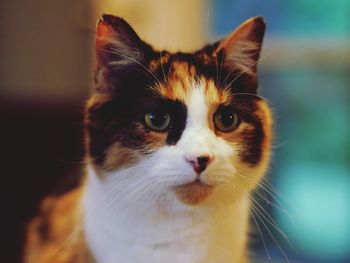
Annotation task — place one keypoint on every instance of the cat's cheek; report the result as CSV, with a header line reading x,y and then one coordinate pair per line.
x,y
118,157
248,139
154,140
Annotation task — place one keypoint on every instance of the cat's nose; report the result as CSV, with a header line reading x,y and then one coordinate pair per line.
x,y
199,163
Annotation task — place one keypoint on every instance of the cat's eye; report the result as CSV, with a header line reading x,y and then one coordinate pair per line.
x,y
157,121
226,120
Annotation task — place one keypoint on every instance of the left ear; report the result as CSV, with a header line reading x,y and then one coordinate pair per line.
x,y
118,50
117,44
241,49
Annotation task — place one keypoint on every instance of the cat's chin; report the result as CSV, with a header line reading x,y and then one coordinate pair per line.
x,y
193,193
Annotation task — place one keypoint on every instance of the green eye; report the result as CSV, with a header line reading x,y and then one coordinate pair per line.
x,y
158,121
225,120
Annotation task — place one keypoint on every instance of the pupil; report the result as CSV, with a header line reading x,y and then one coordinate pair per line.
x,y
158,119
227,119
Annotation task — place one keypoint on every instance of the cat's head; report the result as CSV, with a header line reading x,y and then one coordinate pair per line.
x,y
189,126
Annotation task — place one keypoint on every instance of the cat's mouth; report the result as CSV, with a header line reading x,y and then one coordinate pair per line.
x,y
194,192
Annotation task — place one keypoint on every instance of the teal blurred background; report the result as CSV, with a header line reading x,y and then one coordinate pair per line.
x,y
305,73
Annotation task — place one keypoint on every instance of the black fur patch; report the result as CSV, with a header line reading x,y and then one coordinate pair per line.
x,y
179,117
253,139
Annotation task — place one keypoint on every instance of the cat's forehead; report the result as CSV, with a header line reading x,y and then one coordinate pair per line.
x,y
181,73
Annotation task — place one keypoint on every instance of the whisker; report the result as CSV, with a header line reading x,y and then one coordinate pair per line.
x,y
133,60
68,239
245,70
212,45
76,228
254,95
220,71
269,219
261,235
161,64
263,214
264,185
143,190
171,64
272,236
251,211
268,202
125,194
280,144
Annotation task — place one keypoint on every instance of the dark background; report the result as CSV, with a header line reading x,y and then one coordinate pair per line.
x,y
41,148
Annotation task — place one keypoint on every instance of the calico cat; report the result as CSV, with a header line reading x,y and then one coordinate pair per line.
x,y
175,144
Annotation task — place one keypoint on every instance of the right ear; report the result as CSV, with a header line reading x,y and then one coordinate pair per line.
x,y
117,46
242,47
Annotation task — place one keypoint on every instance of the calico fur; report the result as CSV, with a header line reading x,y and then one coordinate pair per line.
x,y
178,195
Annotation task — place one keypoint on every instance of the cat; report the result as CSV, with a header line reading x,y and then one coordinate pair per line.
x,y
176,142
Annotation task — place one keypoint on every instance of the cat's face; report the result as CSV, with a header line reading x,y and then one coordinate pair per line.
x,y
186,126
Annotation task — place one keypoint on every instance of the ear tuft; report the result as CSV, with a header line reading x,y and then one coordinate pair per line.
x,y
117,43
118,50
242,47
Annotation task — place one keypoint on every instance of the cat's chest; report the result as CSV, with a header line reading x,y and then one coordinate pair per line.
x,y
155,234
154,245
176,252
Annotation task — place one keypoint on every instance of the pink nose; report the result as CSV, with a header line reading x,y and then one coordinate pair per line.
x,y
199,163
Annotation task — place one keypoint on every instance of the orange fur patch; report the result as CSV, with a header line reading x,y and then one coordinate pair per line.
x,y
181,79
118,156
265,114
193,193
58,223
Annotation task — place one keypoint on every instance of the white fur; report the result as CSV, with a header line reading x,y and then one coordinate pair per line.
x,y
132,215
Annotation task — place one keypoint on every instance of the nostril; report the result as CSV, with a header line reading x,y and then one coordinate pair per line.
x,y
199,163
202,163
202,160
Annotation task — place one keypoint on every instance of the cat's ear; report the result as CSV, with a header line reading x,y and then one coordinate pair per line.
x,y
240,50
118,49
117,43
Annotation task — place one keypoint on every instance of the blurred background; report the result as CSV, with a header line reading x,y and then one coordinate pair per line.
x,y
302,210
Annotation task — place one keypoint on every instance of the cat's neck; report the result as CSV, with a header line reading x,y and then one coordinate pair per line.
x,y
152,234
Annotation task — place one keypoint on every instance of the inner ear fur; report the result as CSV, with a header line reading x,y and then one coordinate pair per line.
x,y
241,49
